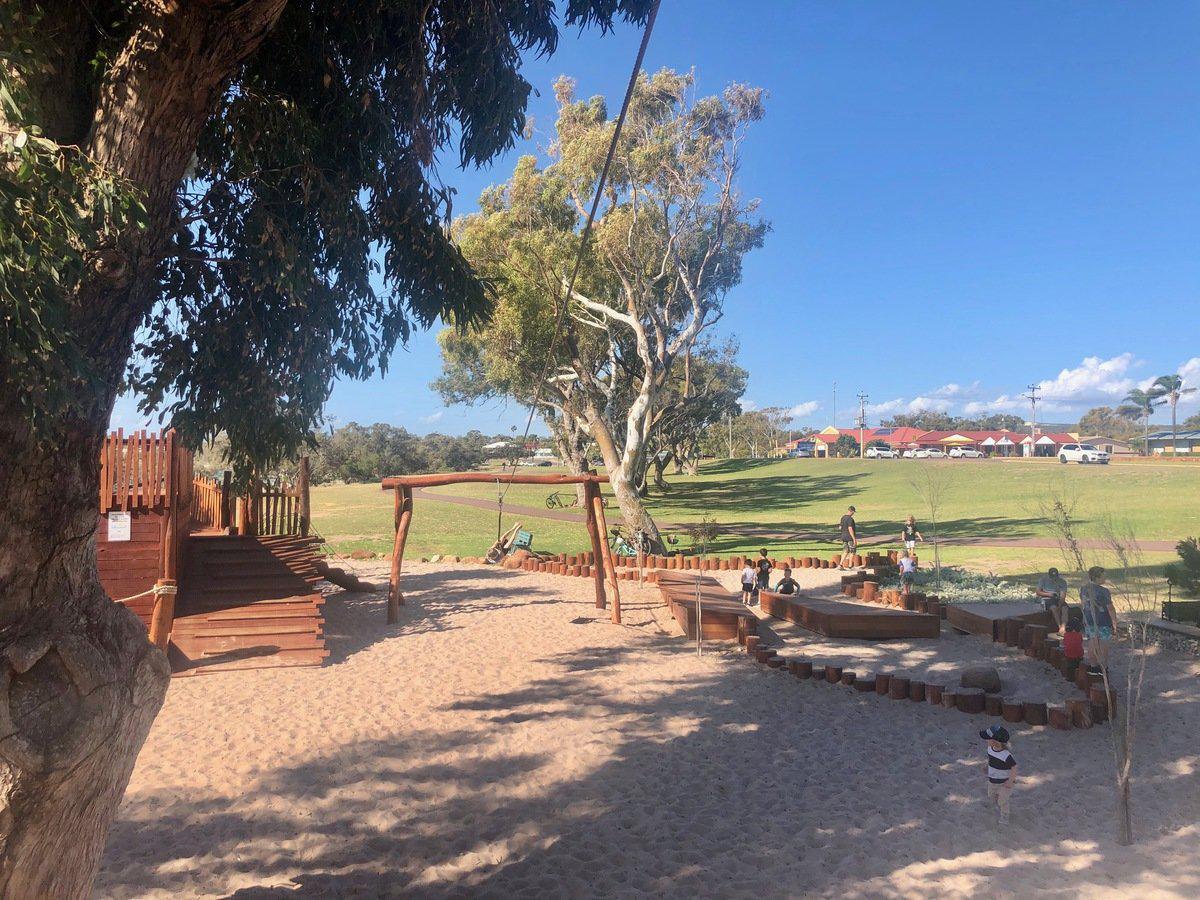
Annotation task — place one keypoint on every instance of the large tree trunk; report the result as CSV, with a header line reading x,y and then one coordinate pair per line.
x,y
80,683
660,465
623,467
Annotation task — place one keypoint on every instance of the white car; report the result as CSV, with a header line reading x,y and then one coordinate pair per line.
x,y
881,453
965,453
1082,453
909,454
930,453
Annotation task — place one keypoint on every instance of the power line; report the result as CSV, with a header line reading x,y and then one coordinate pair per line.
x,y
561,308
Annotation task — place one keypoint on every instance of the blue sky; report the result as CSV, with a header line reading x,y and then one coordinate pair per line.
x,y
965,198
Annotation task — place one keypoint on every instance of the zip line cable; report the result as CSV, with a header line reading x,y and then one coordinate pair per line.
x,y
561,308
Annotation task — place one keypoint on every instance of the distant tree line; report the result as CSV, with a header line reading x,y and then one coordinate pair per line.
x,y
932,420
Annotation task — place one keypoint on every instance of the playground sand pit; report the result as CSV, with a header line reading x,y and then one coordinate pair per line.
x,y
505,739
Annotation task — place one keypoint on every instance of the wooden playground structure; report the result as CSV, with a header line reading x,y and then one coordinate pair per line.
x,y
594,519
221,581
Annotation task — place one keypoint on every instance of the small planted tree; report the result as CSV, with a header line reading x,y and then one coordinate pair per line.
x,y
1137,597
930,482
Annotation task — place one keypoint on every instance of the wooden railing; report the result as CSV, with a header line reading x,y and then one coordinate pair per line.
x,y
136,471
275,507
208,502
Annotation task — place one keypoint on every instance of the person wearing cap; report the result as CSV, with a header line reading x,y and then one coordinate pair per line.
x,y
1002,769
1099,618
849,535
1052,591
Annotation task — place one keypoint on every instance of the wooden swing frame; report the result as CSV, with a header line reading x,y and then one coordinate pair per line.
x,y
594,519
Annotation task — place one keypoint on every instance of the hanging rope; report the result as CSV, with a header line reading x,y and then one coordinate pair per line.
x,y
563,305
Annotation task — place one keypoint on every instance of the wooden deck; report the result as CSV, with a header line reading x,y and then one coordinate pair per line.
x,y
247,603
835,619
723,616
982,618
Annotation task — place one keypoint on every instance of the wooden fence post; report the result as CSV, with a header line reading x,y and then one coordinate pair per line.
x,y
227,500
302,487
591,491
403,518
163,615
609,567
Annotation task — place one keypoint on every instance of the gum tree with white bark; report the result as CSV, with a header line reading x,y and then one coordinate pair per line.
x,y
667,245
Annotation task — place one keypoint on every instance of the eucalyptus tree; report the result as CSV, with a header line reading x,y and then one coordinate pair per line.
x,y
667,246
242,189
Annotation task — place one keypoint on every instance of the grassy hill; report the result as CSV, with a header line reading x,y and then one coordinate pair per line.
x,y
792,506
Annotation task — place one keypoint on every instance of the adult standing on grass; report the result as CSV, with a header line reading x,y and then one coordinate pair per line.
x,y
910,534
1052,591
849,535
1099,618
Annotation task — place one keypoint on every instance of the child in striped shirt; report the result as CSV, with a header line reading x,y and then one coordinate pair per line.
x,y
1002,769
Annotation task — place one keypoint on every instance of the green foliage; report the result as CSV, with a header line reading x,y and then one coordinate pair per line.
x,y
308,239
356,453
1185,574
1107,422
845,445
57,211
932,420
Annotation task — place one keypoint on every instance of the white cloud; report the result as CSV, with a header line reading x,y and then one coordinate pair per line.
x,y
1094,380
953,389
807,408
920,404
433,417
887,407
1003,403
748,405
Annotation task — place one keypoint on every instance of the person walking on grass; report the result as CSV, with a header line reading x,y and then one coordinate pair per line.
x,y
1099,619
763,580
910,534
1001,770
908,573
748,580
849,535
1052,591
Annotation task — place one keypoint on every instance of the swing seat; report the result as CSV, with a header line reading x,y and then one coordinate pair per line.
x,y
522,541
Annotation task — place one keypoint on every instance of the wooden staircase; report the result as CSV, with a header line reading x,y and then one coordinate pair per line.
x,y
247,603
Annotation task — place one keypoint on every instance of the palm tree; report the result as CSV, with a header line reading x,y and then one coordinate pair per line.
x,y
1140,404
1171,389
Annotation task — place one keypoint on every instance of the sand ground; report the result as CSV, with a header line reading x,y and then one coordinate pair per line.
x,y
506,740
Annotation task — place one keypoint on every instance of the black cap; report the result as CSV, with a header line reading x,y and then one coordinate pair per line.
x,y
995,733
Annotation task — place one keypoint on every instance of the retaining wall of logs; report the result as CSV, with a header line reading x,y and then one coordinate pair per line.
x,y
1093,708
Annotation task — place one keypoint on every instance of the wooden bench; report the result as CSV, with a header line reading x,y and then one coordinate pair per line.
x,y
835,619
984,618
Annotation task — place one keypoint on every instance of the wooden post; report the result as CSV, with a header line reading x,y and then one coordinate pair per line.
x,y
170,551
403,517
609,568
591,491
302,488
163,616
226,500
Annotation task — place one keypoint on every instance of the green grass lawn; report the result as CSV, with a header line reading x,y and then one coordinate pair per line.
x,y
792,507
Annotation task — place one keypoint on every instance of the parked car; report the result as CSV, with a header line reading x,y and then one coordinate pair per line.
x,y
881,453
930,453
965,453
1082,454
909,454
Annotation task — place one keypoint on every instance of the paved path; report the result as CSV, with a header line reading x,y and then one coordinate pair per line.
x,y
771,533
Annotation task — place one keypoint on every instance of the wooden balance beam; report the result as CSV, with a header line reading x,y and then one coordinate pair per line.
x,y
723,616
835,619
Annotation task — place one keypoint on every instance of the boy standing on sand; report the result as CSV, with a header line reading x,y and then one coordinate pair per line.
x,y
748,581
1099,618
1002,769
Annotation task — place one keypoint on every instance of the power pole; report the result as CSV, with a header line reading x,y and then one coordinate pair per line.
x,y
835,404
862,424
1032,397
